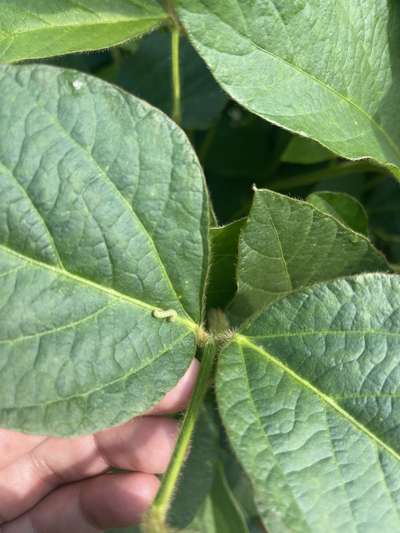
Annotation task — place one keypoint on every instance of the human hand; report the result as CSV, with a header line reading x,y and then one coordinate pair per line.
x,y
54,485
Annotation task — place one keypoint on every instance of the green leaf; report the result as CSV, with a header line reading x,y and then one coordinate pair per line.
x,y
290,62
221,512
99,194
227,513
287,244
309,393
240,485
32,29
221,283
342,206
147,74
306,152
204,520
198,472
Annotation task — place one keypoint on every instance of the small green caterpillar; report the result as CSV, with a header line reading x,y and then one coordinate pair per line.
x,y
169,314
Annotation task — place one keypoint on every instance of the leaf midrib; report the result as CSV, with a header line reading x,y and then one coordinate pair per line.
x,y
242,340
112,293
327,87
326,333
51,240
339,95
57,329
105,385
67,135
70,27
262,429
79,6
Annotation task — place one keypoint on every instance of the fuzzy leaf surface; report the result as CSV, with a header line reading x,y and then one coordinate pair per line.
x,y
287,244
222,276
221,512
31,29
342,206
327,70
99,194
309,394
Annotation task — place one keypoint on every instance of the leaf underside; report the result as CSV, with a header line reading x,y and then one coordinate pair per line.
x,y
309,393
99,195
31,29
326,70
197,474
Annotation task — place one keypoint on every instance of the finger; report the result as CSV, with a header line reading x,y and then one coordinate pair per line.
x,y
14,444
144,444
90,506
178,398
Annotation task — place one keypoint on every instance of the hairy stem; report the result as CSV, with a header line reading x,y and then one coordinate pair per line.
x,y
176,75
175,61
162,503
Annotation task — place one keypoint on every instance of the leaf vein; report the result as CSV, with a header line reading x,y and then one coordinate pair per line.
x,y
70,325
104,386
112,293
26,195
328,400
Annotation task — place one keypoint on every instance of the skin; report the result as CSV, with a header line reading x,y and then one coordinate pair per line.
x,y
53,485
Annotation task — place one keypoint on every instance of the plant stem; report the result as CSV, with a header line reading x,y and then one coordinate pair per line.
x,y
310,178
176,75
163,500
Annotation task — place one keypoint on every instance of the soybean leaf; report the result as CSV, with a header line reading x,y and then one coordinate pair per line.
x,y
290,62
221,512
227,514
342,206
198,472
221,283
287,244
305,151
204,520
240,486
147,74
32,29
309,392
99,194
